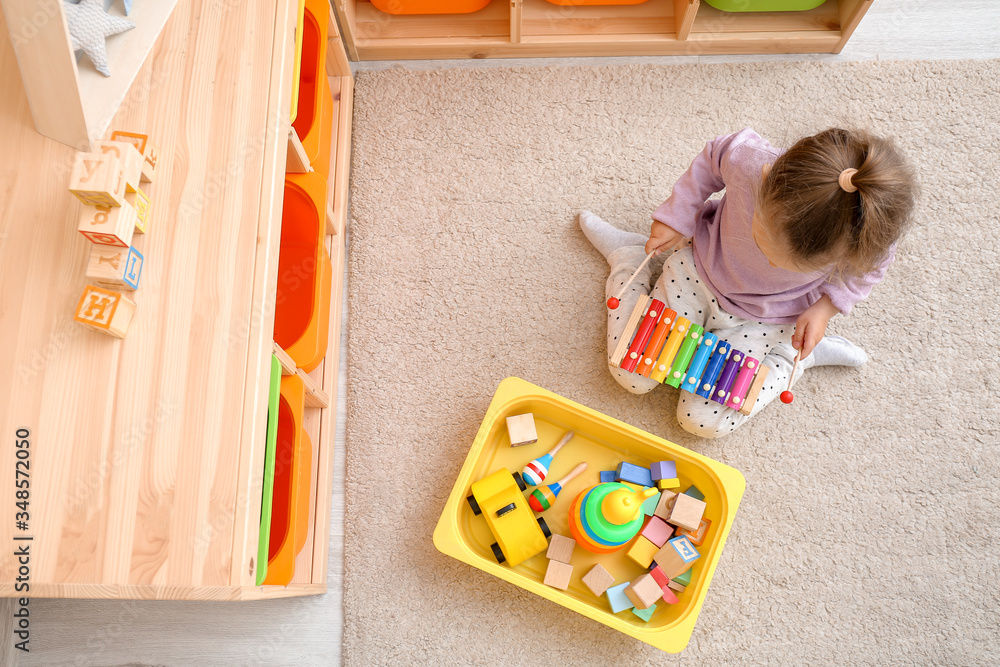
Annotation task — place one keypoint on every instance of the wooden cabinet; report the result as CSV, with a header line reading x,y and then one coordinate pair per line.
x,y
536,28
146,453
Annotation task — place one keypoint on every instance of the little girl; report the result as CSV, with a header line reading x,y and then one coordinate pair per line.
x,y
798,237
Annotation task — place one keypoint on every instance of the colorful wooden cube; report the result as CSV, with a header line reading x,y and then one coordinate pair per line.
x,y
643,591
607,476
617,598
97,179
521,429
112,266
649,505
668,484
676,587
665,504
645,614
684,578
140,202
687,512
657,531
697,537
663,470
106,311
664,583
108,225
695,492
598,579
561,548
130,158
676,556
633,474
642,551
150,153
557,575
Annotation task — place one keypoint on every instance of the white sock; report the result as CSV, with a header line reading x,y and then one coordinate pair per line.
x,y
606,237
837,351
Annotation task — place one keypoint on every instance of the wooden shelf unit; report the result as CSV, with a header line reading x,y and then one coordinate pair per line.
x,y
147,453
537,28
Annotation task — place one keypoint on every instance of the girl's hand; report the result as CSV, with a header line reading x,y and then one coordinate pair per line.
x,y
662,237
811,325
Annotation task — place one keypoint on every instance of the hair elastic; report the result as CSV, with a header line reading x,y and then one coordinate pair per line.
x,y
845,180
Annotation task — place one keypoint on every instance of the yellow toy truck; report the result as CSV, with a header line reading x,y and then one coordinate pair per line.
x,y
499,499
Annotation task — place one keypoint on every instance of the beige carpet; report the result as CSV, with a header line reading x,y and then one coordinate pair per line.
x,y
869,529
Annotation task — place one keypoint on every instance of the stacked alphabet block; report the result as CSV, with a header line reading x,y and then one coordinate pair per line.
x,y
108,182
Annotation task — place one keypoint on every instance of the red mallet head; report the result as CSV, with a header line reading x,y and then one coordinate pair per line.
x,y
786,397
613,303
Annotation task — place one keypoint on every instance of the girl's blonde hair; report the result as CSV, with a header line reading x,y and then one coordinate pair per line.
x,y
823,224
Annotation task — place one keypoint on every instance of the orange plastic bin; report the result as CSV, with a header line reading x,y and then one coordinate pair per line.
x,y
292,479
315,100
302,302
430,6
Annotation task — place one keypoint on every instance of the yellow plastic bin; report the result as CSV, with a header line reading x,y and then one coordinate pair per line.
x,y
603,443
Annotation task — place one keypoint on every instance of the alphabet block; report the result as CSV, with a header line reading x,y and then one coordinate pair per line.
x,y
111,266
561,548
108,225
697,537
130,158
557,575
140,202
98,179
643,591
676,556
150,153
106,311
598,579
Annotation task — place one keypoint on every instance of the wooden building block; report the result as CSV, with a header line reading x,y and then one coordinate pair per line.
x,y
522,429
598,580
98,179
108,225
150,153
758,384
697,537
607,476
645,614
106,311
684,578
643,591
140,202
112,266
628,472
665,504
649,505
130,158
663,470
657,531
617,598
561,548
557,575
668,484
676,556
695,492
642,551
687,512
676,587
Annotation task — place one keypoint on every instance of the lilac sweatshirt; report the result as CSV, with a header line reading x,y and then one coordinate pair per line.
x,y
725,254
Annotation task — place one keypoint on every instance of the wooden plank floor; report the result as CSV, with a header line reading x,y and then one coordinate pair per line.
x,y
308,630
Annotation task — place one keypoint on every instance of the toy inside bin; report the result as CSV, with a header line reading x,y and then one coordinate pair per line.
x,y
603,442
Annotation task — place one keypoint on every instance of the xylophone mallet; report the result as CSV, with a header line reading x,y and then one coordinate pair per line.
x,y
615,300
787,396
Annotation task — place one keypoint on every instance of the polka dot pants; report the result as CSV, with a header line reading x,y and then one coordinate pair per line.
x,y
682,289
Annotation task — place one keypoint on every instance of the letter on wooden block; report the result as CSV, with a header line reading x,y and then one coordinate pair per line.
x,y
697,537
666,504
140,202
112,266
676,556
108,312
98,179
108,225
150,153
130,158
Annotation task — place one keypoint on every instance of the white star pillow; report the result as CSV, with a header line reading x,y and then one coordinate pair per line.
x,y
89,25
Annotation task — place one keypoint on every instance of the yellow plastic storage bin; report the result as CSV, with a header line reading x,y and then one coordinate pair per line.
x,y
603,443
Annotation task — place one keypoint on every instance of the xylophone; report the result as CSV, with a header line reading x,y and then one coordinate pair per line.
x,y
660,345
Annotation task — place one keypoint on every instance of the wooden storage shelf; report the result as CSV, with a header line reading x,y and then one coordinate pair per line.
x,y
537,28
147,452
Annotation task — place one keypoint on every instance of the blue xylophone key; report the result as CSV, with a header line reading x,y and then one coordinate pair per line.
x,y
721,392
699,362
714,368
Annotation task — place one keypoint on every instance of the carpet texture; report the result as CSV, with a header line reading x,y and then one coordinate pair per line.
x,y
870,524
